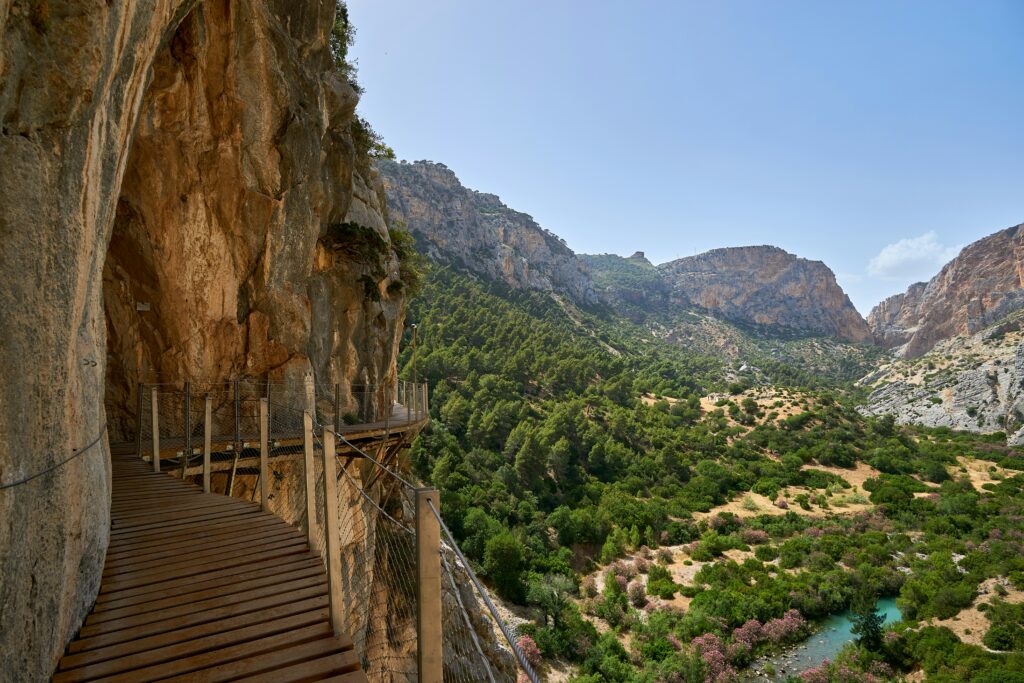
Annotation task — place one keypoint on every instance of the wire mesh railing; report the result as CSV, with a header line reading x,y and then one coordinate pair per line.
x,y
377,533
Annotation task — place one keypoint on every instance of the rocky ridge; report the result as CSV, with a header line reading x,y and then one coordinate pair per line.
x,y
766,286
459,225
982,285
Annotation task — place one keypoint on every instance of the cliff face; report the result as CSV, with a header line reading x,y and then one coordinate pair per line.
x,y
983,284
767,286
181,199
971,383
459,224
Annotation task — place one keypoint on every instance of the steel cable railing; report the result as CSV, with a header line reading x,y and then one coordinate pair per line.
x,y
449,543
378,602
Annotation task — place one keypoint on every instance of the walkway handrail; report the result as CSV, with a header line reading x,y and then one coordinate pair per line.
x,y
74,454
352,517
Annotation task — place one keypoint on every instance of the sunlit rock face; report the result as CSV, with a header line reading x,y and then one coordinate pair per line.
x,y
769,287
477,230
982,285
181,191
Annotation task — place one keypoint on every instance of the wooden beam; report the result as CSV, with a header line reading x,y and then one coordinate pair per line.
x,y
307,439
156,431
207,437
430,657
331,530
264,456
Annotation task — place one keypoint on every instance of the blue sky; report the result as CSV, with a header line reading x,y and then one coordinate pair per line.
x,y
877,137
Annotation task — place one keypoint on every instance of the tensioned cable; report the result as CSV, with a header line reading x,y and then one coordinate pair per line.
x,y
487,600
74,454
465,618
363,493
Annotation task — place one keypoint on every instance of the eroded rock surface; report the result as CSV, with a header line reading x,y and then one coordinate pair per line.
x,y
769,287
210,147
970,383
982,285
478,231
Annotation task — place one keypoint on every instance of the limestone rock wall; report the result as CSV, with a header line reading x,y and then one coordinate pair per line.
x,y
972,383
209,147
478,230
983,284
767,286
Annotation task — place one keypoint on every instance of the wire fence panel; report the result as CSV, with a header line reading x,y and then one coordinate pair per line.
x,y
376,537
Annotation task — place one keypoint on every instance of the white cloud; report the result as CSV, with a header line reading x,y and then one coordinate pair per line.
x,y
914,258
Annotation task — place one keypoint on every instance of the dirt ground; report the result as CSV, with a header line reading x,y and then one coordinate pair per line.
x,y
763,506
971,624
977,471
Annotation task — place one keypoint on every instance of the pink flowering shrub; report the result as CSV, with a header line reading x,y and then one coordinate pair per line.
x,y
622,581
674,641
782,504
750,634
530,650
624,569
790,625
588,587
754,536
813,532
818,674
642,565
637,594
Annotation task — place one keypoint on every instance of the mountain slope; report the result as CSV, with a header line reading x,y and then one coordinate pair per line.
x,y
459,224
767,286
982,285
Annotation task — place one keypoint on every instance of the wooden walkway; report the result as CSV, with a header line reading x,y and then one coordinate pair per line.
x,y
204,587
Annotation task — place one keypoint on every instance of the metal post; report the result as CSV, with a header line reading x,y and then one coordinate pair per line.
x,y
156,430
331,530
138,419
186,449
430,658
207,438
307,441
264,456
408,403
426,401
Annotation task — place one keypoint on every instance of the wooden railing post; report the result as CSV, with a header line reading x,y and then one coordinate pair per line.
x,y
138,418
331,530
430,658
408,403
264,456
207,438
186,449
156,430
337,404
307,441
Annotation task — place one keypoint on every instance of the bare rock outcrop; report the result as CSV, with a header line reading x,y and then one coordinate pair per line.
x,y
477,229
969,383
769,287
982,285
182,198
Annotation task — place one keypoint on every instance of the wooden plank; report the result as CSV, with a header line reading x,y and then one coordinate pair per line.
x,y
200,565
239,544
189,542
123,648
181,622
204,652
268,661
335,664
190,608
232,589
207,580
